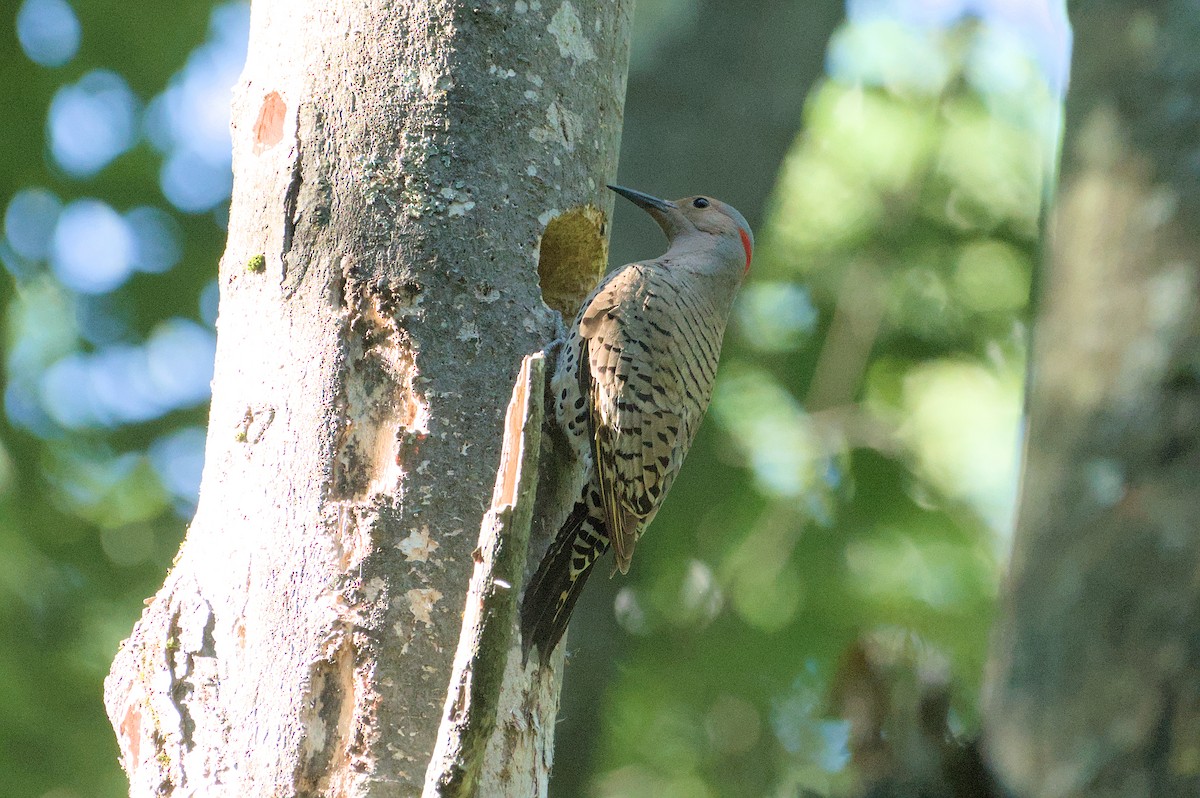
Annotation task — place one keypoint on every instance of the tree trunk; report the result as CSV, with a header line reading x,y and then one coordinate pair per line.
x,y
1094,685
404,174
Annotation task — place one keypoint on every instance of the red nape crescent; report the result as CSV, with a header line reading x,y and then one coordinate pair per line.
x,y
746,245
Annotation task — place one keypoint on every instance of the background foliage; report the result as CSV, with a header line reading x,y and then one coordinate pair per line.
x,y
852,487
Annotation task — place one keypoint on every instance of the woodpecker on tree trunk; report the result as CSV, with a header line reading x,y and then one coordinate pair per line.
x,y
632,384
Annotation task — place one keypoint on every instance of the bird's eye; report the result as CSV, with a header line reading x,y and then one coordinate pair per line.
x,y
700,202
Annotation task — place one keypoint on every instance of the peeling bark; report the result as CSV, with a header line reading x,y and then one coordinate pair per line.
x,y
396,165
476,699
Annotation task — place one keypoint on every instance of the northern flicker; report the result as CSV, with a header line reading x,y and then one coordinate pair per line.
x,y
632,384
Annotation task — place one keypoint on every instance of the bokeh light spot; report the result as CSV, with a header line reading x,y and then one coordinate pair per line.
x,y
189,121
884,52
29,222
992,276
180,357
124,384
961,423
178,458
48,31
94,247
775,316
210,298
771,428
157,239
193,184
91,122
797,718
895,568
767,598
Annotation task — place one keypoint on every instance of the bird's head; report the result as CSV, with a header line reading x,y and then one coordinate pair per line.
x,y
700,222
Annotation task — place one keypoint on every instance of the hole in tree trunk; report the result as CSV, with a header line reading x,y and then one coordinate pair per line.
x,y
572,256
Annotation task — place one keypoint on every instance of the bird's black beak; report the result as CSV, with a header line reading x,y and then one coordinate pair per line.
x,y
644,201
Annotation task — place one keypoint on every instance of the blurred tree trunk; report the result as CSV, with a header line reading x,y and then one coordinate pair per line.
x,y
404,173
1094,684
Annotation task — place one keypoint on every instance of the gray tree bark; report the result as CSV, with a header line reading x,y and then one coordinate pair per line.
x,y
412,180
1094,686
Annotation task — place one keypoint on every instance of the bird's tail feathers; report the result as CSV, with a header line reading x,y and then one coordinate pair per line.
x,y
559,580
